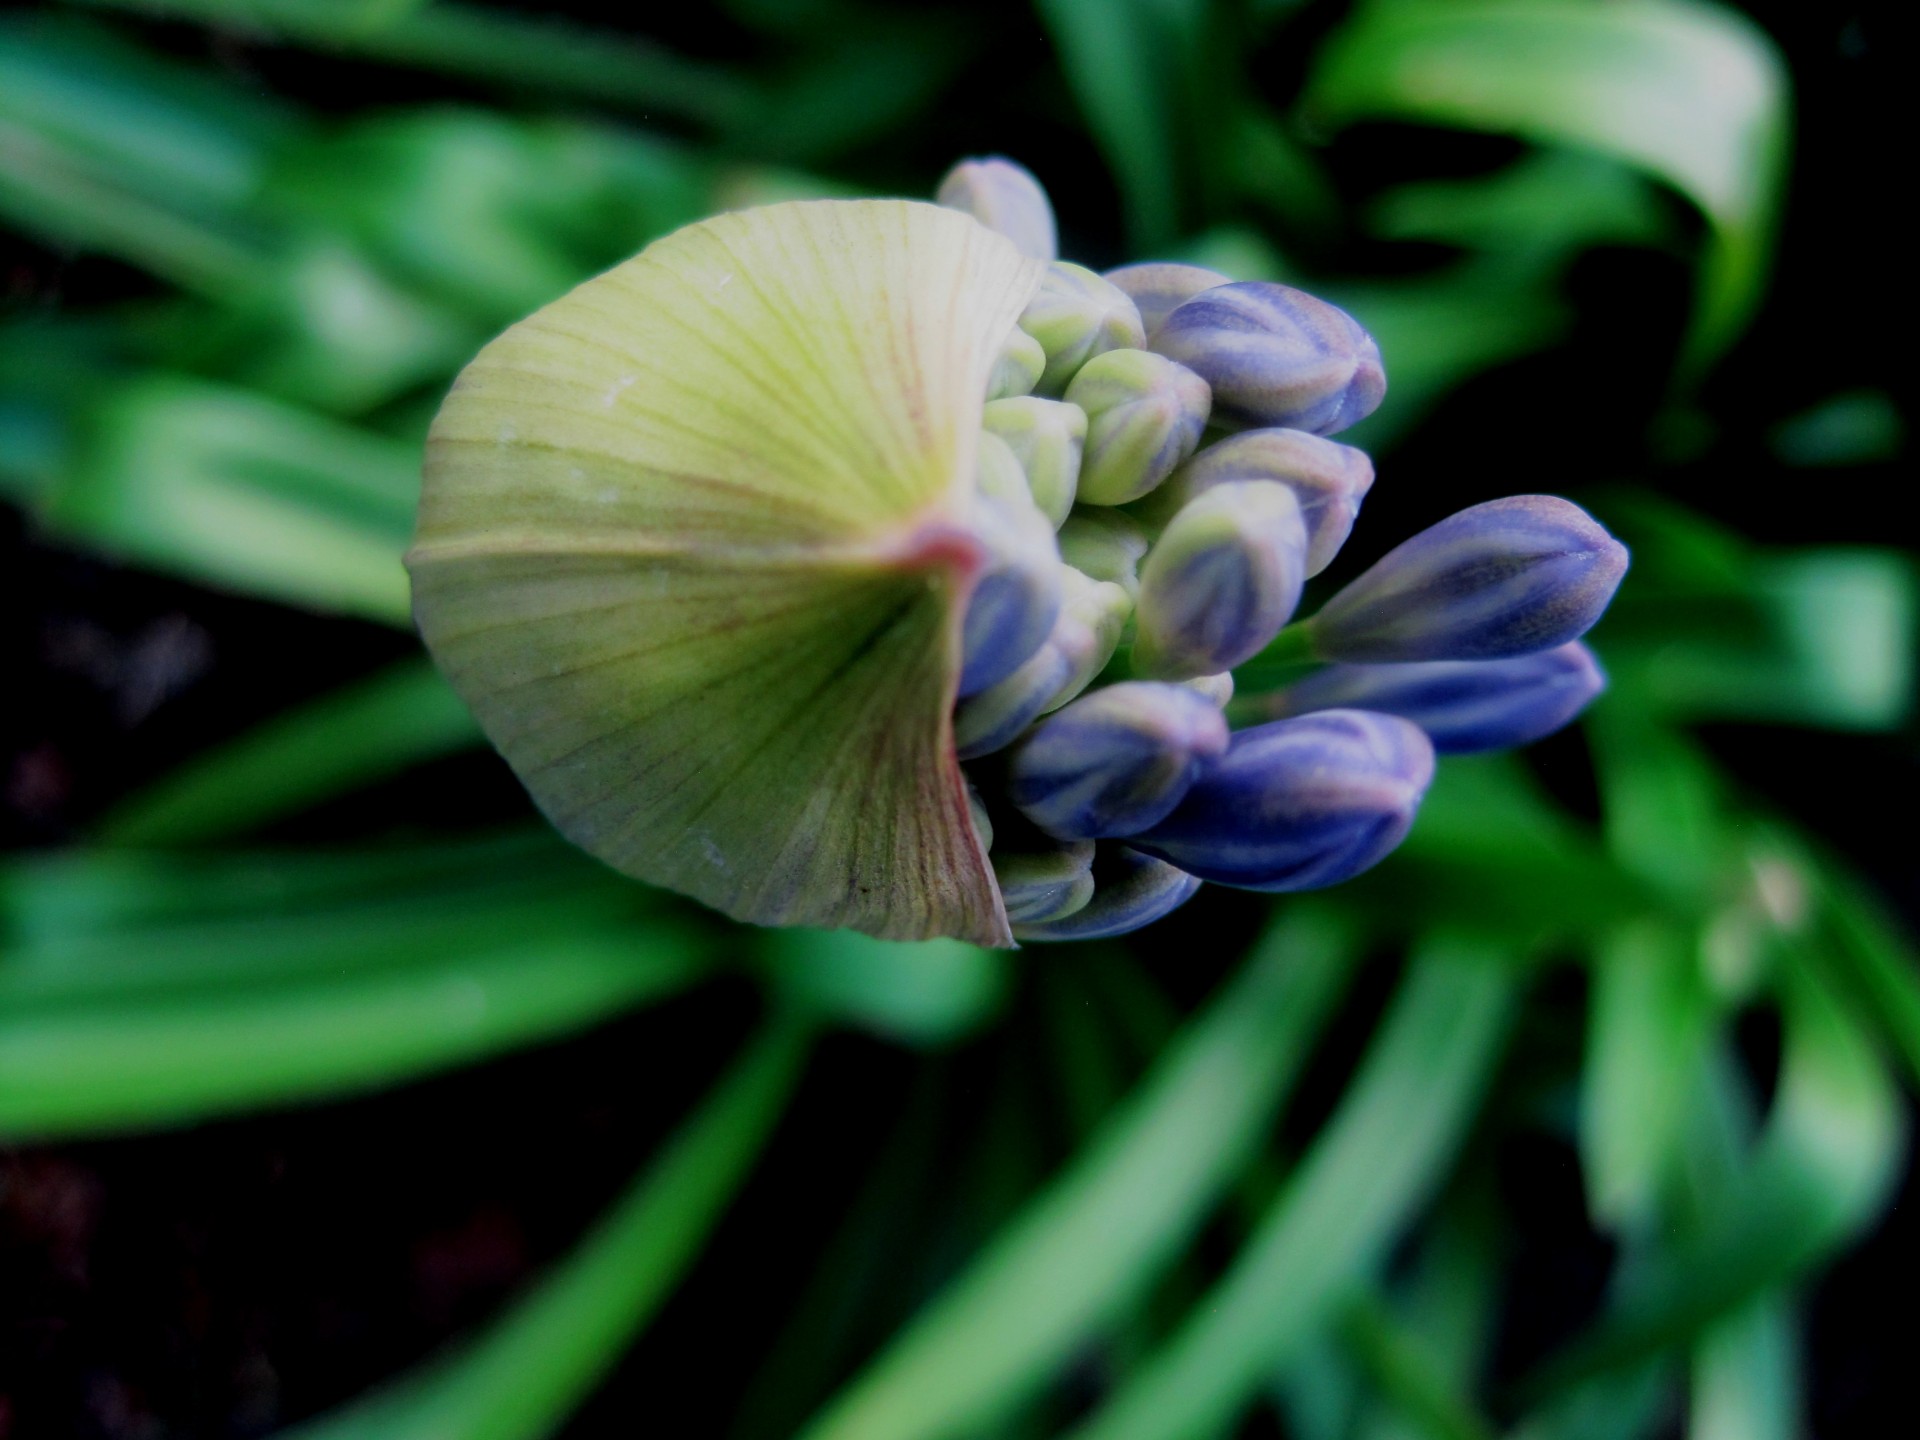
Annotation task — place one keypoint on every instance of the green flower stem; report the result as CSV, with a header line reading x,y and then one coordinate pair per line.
x,y
1391,1141
1087,1247
524,1376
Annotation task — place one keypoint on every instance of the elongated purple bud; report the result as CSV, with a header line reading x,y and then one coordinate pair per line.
x,y
1115,762
1276,356
1144,417
1158,288
1298,804
1129,890
1509,577
1221,580
1017,597
1003,196
1075,316
1463,705
1042,885
1093,613
1327,478
1047,438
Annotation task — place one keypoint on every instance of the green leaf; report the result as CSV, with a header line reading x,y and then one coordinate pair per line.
x,y
1405,1374
1745,1381
1868,952
1088,1245
145,1061
352,737
925,993
236,491
1692,93
524,1375
1365,1176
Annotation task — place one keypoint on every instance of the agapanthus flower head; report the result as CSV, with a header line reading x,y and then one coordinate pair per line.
x,y
786,566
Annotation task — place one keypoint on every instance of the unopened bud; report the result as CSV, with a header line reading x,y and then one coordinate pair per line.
x,y
1115,762
1092,616
1075,316
1327,478
1017,597
1005,197
1042,885
1144,417
1018,367
1221,580
1463,705
1046,437
1508,577
1129,890
1107,545
1217,690
1274,355
1157,289
1298,804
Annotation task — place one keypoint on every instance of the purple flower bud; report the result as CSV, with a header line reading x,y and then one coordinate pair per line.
x,y
1107,545
1003,196
1276,356
1299,804
1157,289
1463,705
1075,316
1046,884
1017,369
1144,416
1221,580
1129,890
1017,597
1113,763
1505,578
1046,437
1092,616
1327,478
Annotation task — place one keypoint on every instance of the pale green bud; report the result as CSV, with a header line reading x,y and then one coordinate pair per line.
x,y
1107,545
1217,688
1018,367
1049,884
1144,417
1075,316
1046,437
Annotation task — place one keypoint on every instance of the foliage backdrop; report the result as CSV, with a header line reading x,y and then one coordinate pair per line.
x,y
1551,1126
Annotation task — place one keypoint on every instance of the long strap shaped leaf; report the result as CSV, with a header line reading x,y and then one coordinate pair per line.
x,y
523,1377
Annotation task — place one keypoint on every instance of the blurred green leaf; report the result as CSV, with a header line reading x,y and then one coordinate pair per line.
x,y
351,737
523,1376
482,42
1744,1382
1693,93
1861,427
144,1061
926,993
239,492
1406,1375
1388,1144
1086,1247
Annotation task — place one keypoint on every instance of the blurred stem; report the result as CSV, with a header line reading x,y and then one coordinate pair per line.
x,y
523,1377
1406,1376
484,44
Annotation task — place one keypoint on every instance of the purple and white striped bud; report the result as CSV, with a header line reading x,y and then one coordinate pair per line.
x,y
1093,613
1017,597
1129,890
1276,356
1327,478
1298,804
1221,580
1508,577
1463,705
1106,545
1115,762
1005,197
1043,885
1144,417
1159,288
1047,438
1075,316
1016,370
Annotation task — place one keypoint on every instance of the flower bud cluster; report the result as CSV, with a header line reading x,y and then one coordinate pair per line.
x,y
1155,487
